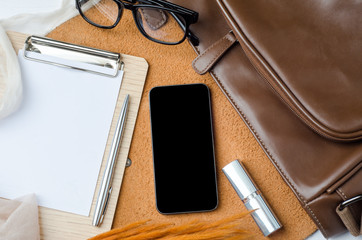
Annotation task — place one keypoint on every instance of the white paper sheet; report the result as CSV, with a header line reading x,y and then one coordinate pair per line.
x,y
54,144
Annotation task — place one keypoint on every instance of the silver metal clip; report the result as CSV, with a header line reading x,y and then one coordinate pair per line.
x,y
61,53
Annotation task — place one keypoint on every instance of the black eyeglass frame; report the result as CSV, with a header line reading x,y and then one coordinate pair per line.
x,y
188,15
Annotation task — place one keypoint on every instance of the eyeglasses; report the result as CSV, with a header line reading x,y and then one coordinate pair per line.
x,y
158,20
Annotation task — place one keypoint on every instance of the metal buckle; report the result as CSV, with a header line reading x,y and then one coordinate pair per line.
x,y
349,202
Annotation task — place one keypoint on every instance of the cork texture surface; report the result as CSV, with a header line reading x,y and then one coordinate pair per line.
x,y
169,65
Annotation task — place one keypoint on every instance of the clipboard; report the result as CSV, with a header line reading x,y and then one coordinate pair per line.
x,y
61,225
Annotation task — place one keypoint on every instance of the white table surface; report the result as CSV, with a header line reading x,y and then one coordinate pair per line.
x,y
11,8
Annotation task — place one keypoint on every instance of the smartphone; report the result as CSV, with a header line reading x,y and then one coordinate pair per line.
x,y
183,149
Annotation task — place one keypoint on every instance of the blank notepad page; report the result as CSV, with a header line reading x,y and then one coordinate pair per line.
x,y
54,144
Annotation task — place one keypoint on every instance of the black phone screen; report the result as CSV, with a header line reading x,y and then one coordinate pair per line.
x,y
183,149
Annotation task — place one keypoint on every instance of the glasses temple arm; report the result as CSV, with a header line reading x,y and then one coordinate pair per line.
x,y
193,38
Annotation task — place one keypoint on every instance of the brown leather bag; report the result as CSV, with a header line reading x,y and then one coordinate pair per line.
x,y
293,71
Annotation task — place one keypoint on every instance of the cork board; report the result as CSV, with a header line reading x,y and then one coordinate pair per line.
x,y
233,140
172,65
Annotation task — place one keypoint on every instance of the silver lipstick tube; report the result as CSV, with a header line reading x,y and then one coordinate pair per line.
x,y
251,197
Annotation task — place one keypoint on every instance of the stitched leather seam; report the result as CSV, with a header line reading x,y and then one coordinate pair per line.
x,y
211,47
316,219
201,55
341,194
225,13
288,97
269,154
216,55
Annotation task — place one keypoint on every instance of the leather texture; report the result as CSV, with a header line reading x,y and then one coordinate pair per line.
x,y
323,168
304,50
207,59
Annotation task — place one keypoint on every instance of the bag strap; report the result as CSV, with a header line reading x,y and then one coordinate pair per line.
x,y
345,213
207,59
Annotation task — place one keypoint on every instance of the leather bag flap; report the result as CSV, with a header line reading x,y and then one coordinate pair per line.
x,y
310,53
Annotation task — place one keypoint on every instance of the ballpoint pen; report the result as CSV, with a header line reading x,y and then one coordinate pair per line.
x,y
106,185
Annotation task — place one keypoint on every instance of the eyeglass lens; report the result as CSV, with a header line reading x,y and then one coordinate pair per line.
x,y
101,12
157,24
161,25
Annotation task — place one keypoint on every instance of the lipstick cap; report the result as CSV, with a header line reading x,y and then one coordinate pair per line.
x,y
251,197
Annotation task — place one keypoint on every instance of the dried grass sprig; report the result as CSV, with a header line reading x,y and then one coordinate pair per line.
x,y
228,228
